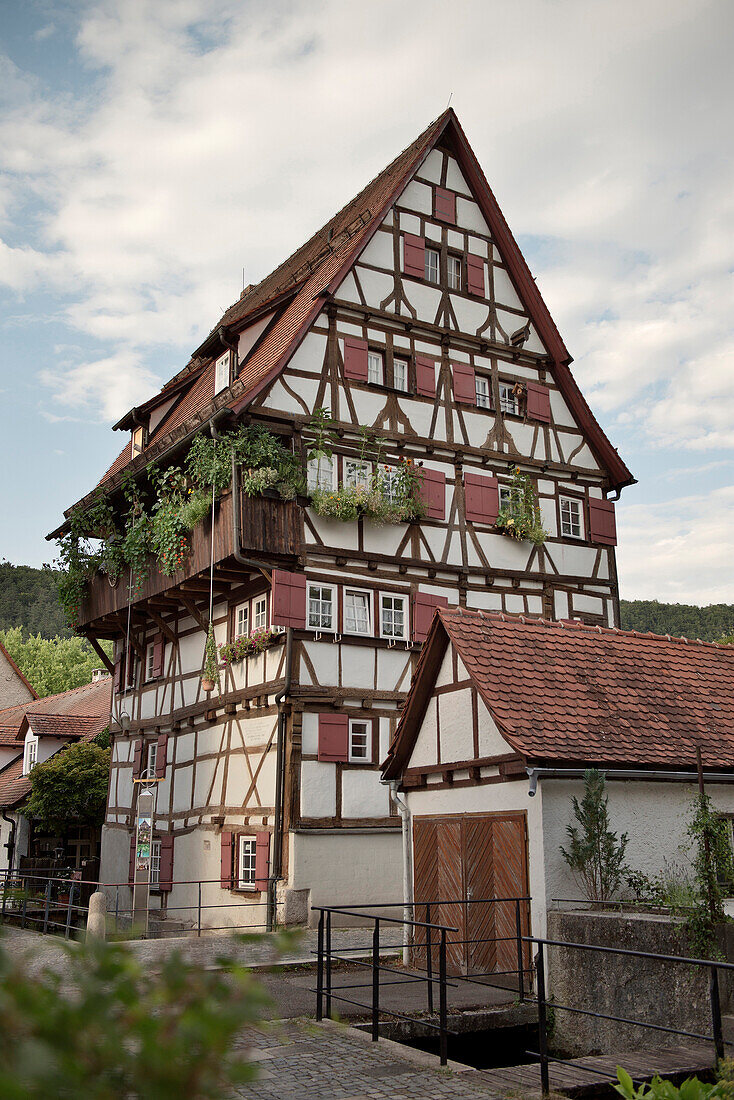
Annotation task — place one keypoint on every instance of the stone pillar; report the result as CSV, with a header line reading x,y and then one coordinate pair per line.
x,y
97,916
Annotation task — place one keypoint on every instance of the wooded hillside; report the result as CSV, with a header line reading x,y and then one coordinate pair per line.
x,y
29,598
682,620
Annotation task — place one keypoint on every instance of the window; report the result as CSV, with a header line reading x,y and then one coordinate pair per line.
x,y
571,522
357,473
357,612
400,374
242,620
150,761
453,272
30,754
375,368
221,372
320,607
392,616
155,863
508,401
150,661
246,874
138,440
359,740
321,473
481,386
132,669
505,495
389,483
259,613
432,265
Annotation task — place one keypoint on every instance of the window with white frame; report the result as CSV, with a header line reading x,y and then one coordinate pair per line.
x,y
432,262
453,272
357,611
155,863
393,616
321,473
30,754
572,523
505,496
151,758
508,401
375,368
321,607
360,736
259,612
400,374
150,661
357,474
247,863
138,436
242,620
389,482
221,372
481,388
132,669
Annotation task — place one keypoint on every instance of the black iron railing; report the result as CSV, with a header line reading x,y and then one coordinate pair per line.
x,y
715,1036
435,939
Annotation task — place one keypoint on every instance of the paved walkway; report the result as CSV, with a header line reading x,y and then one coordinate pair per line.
x,y
307,1061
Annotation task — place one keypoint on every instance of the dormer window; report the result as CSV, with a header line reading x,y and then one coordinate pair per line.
x,y
30,754
222,371
138,440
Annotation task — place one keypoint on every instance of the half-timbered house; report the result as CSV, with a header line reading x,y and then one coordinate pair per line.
x,y
412,314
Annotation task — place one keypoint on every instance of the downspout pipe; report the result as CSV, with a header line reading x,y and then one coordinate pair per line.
x,y
404,811
277,863
10,842
222,334
534,774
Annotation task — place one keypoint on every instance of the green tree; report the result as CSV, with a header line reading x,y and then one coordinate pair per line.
x,y
29,598
52,664
594,853
126,1030
70,788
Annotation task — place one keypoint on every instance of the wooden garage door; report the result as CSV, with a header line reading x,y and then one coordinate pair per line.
x,y
471,857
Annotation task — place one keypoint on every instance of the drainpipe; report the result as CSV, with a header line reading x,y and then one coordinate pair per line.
x,y
534,774
222,334
277,864
10,842
408,910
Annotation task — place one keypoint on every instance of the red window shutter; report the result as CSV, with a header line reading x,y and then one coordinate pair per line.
x,y
226,861
355,359
262,860
602,522
464,385
424,606
538,402
433,492
444,205
288,604
481,498
165,876
160,756
158,644
425,375
138,759
414,256
131,867
333,737
475,275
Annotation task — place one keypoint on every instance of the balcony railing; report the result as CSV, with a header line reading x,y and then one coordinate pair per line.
x,y
269,527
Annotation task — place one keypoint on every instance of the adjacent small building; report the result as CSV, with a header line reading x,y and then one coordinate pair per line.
x,y
504,715
30,733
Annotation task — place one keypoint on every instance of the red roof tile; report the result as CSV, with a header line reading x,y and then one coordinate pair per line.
x,y
581,694
14,786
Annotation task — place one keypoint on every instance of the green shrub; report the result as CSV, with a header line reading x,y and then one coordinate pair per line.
x,y
660,1089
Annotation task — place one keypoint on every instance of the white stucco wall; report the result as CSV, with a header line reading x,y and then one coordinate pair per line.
x,y
347,867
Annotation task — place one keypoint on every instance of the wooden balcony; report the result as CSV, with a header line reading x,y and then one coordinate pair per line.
x,y
270,528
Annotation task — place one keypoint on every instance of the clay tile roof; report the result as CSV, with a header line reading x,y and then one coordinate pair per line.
x,y
570,693
65,725
90,701
13,785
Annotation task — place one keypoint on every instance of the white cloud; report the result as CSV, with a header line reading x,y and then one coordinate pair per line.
x,y
111,384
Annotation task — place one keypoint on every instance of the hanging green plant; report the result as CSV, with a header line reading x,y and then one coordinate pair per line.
x,y
519,517
392,495
210,672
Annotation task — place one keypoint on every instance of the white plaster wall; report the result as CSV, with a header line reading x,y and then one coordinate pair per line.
x,y
318,789
22,836
344,867
363,795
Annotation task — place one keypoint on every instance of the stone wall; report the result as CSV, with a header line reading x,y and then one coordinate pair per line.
x,y
667,994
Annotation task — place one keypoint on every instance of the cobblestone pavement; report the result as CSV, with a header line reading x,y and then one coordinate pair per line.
x,y
309,1061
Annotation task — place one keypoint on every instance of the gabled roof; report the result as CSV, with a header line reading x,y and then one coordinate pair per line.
x,y
298,288
26,683
575,694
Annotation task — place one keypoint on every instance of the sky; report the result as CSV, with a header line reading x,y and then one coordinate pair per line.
x,y
152,149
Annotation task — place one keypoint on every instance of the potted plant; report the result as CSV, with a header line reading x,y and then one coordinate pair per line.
x,y
210,673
